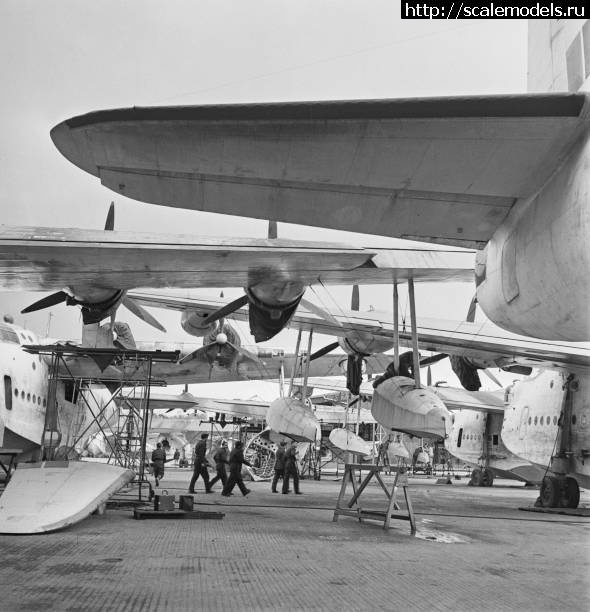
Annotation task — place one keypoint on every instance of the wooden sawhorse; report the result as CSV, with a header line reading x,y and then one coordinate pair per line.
x,y
8,461
353,508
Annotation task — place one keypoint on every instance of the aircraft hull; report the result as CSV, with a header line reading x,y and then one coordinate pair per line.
x,y
398,405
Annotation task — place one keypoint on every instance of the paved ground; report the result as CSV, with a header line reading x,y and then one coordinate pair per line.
x,y
474,551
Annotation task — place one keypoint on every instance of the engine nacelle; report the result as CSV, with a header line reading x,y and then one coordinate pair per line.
x,y
532,277
360,343
271,305
193,323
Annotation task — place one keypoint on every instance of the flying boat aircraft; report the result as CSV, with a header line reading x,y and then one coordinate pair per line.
x,y
511,435
506,174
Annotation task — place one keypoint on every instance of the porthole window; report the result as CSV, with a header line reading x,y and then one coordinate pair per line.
x,y
39,400
28,397
530,420
536,420
22,395
34,365
555,420
541,421
16,393
551,385
548,420
34,398
44,402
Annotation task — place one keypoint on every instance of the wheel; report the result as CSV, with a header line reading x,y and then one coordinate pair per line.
x,y
571,493
549,494
477,477
487,478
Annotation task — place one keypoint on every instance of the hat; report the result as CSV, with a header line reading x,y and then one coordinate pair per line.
x,y
205,435
283,443
224,443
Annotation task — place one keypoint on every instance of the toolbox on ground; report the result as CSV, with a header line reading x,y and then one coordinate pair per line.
x,y
164,502
186,502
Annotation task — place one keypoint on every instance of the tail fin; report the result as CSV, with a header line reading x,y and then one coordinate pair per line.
x,y
559,55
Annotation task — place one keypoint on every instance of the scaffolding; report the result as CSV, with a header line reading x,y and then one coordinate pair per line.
x,y
127,374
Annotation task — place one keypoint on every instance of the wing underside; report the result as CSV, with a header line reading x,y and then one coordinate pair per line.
x,y
437,169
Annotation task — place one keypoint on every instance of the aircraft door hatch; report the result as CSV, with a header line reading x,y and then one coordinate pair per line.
x,y
8,392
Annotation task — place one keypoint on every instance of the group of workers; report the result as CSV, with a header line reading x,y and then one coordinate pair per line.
x,y
285,467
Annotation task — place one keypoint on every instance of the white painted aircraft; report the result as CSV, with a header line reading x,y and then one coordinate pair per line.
x,y
503,174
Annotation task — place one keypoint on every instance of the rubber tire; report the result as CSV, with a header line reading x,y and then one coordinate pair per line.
x,y
477,477
571,493
487,478
549,494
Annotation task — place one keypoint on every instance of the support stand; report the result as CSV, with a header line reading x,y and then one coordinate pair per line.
x,y
353,507
128,380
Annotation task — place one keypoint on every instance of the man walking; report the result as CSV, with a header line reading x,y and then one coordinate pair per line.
x,y
200,468
279,466
221,459
236,459
291,469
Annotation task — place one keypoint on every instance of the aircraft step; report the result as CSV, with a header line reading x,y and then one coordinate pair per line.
x,y
149,513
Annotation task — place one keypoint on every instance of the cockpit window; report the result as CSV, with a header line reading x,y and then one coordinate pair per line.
x,y
8,335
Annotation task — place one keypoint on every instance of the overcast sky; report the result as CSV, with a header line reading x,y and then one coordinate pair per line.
x,y
64,58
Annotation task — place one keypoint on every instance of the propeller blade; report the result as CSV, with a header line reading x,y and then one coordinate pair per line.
x,y
320,312
355,300
493,378
323,351
472,308
47,302
244,352
225,310
142,313
109,226
518,369
432,359
429,377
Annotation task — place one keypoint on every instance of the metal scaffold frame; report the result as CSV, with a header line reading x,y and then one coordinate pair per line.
x,y
128,381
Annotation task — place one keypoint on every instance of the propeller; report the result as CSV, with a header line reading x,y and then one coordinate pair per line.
x,y
48,301
320,312
62,296
222,312
324,351
109,225
142,313
493,378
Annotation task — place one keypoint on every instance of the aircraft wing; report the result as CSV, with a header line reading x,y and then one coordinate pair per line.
x,y
481,341
444,170
51,258
78,362
165,401
454,398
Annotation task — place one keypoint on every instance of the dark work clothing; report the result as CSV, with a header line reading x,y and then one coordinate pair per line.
x,y
406,368
158,461
291,470
220,458
279,468
236,459
200,468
